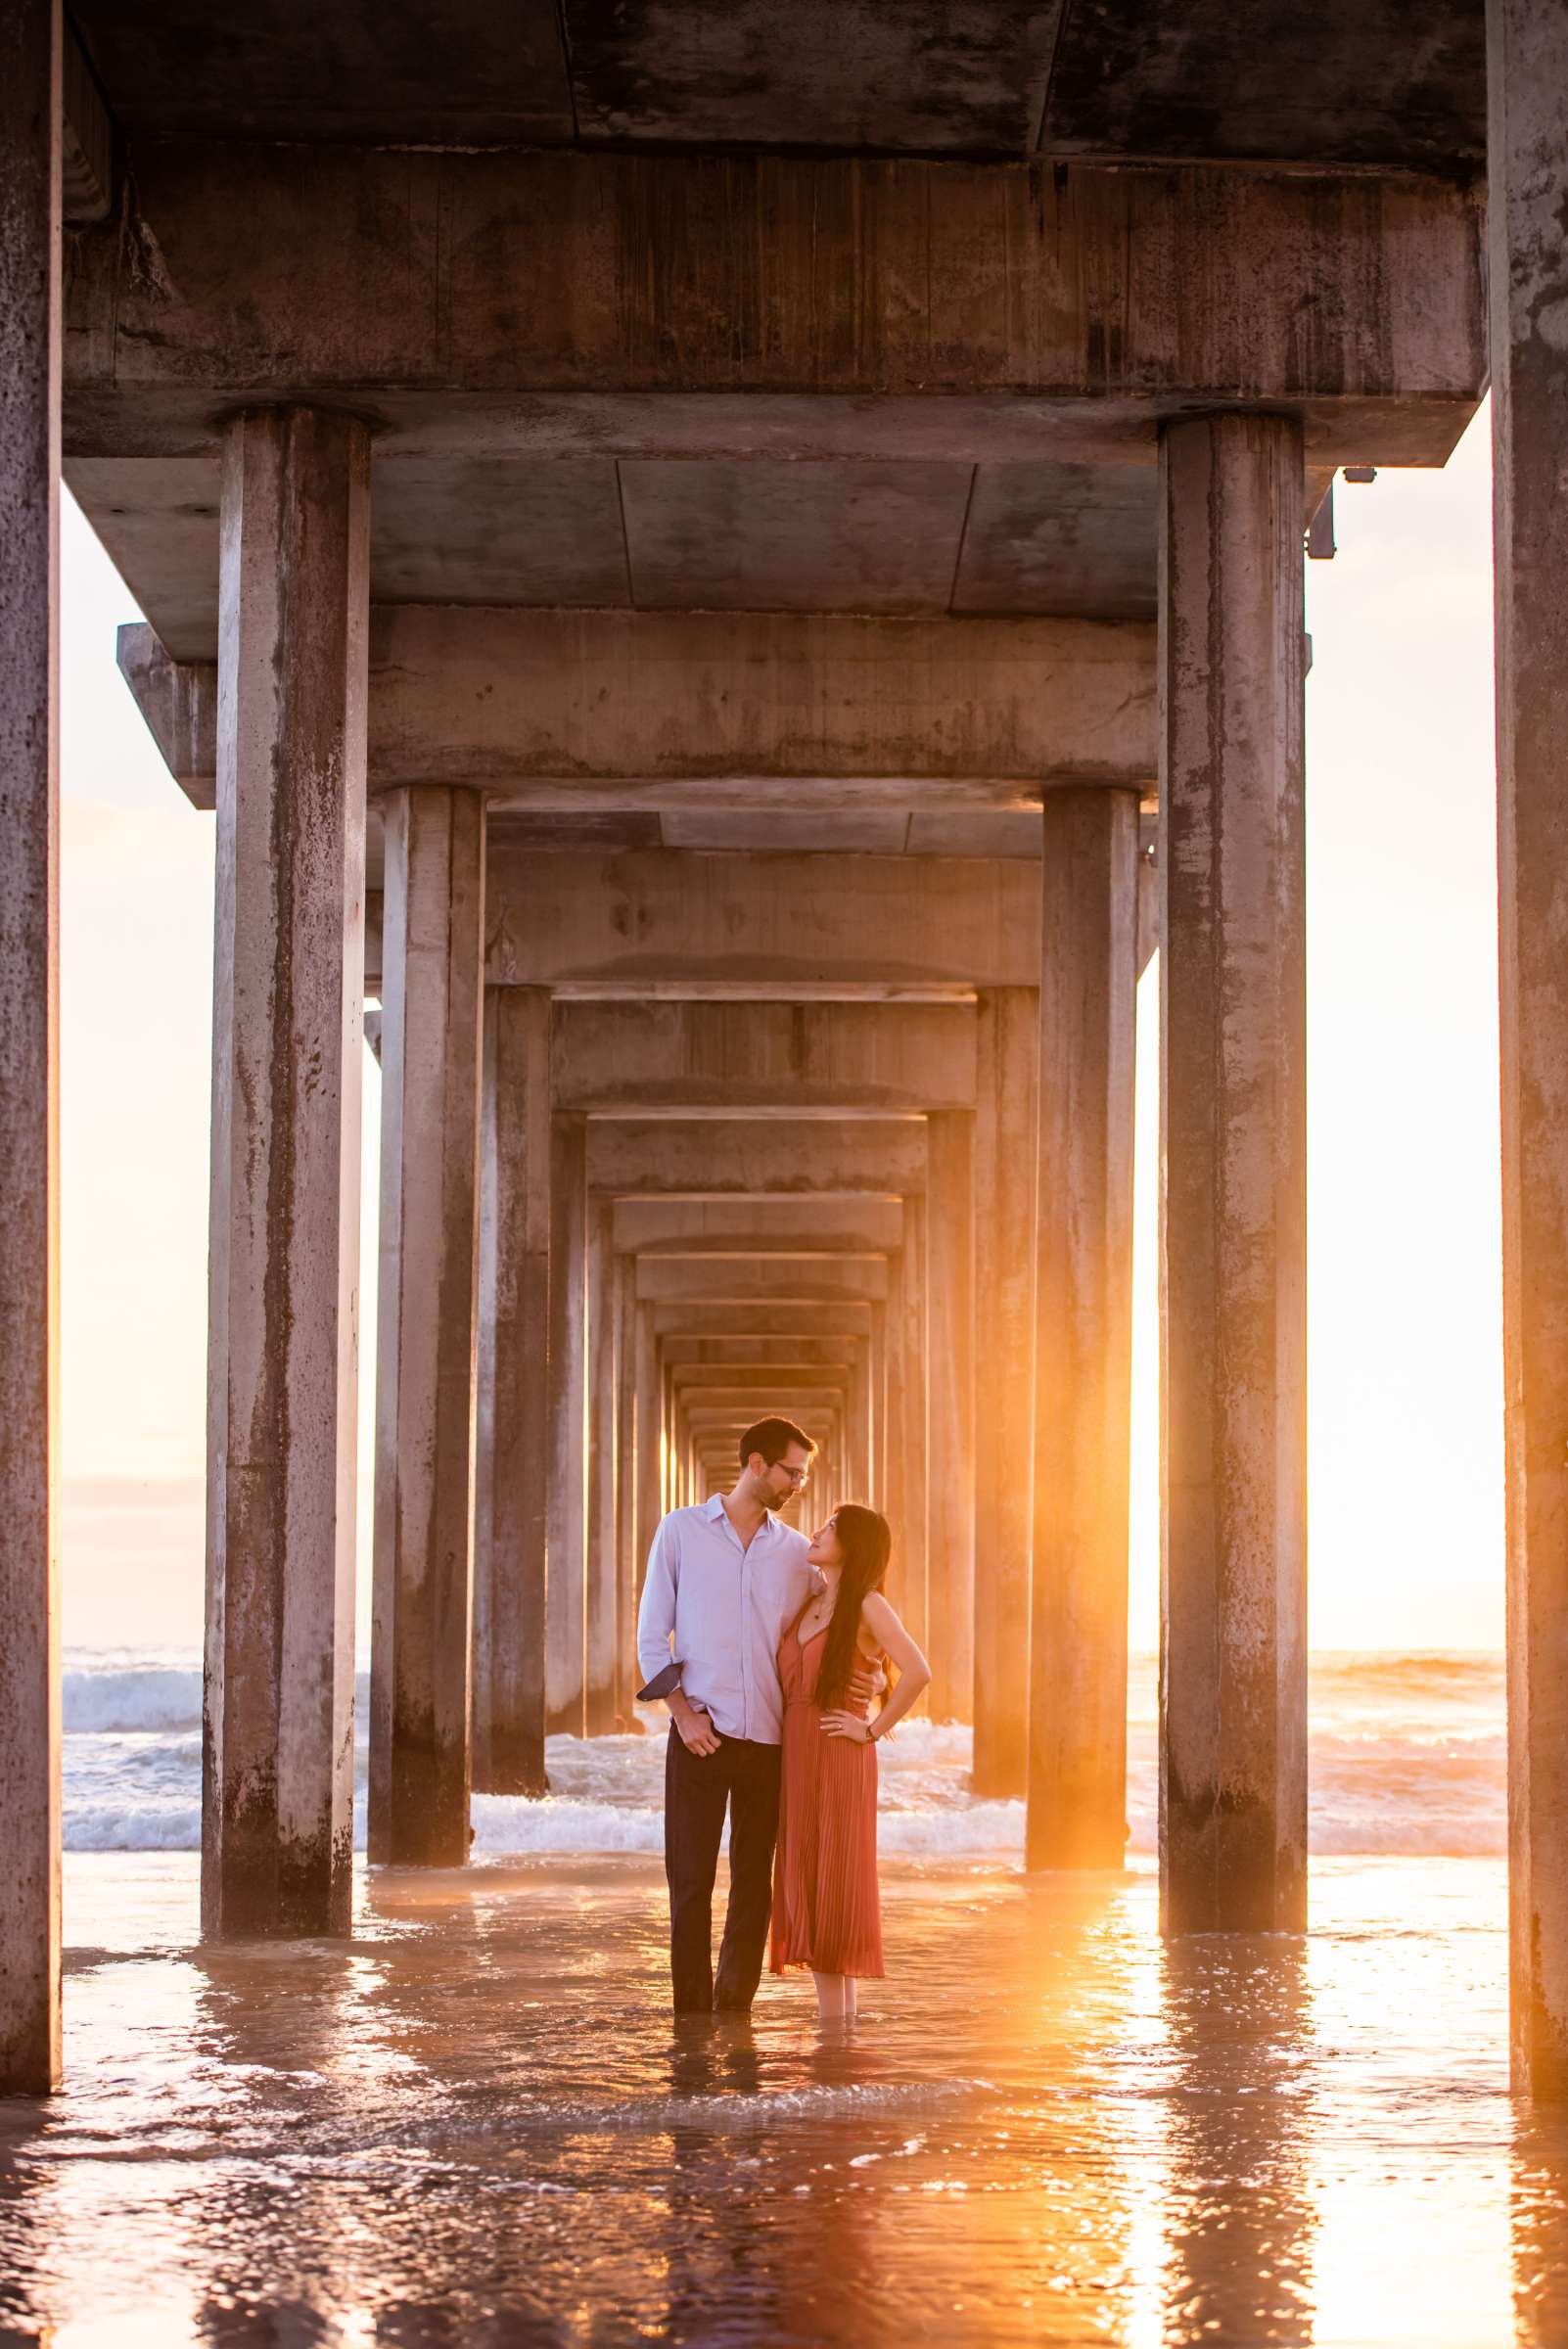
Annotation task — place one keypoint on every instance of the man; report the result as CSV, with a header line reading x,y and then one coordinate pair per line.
x,y
725,1580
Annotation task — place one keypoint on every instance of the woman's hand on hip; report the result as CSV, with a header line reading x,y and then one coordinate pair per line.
x,y
844,1724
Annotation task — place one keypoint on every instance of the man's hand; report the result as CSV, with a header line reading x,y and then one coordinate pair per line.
x,y
697,1733
869,1681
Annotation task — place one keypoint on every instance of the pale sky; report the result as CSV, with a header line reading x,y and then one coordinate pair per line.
x,y
1406,1456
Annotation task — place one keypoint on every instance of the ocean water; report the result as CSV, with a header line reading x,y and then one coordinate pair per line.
x,y
475,2122
1407,1758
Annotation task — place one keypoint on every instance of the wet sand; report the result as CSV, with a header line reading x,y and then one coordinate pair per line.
x,y
477,2123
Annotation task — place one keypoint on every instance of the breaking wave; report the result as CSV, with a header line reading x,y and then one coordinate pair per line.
x,y
1407,1756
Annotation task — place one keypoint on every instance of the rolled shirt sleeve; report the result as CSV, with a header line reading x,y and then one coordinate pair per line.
x,y
655,1617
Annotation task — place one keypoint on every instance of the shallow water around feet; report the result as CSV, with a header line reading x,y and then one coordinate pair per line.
x,y
478,2123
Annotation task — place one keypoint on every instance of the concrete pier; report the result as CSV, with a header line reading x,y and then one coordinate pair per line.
x,y
1005,1378
428,1325
1077,1775
511,1512
950,1415
29,1015
724,632
284,1236
907,1496
605,1439
1233,1669
1527,59
565,1663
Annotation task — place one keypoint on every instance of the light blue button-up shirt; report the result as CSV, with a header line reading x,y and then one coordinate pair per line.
x,y
722,1610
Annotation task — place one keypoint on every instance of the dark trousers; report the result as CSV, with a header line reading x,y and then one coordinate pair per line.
x,y
742,1778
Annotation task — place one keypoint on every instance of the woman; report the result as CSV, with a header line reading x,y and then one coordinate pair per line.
x,y
825,1910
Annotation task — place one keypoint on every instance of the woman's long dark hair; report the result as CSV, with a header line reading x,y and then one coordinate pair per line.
x,y
866,1543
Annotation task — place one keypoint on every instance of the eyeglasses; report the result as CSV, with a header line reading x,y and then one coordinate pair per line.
x,y
797,1476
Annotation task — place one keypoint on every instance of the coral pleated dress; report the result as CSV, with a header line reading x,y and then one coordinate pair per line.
x,y
826,1912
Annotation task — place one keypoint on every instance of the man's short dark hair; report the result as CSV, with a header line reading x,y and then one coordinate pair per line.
x,y
772,1437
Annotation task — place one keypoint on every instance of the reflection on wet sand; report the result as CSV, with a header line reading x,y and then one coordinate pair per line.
x,y
478,2123
1239,2258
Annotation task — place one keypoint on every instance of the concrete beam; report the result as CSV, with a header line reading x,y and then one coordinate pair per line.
x,y
576,710
29,1046
757,1354
671,703
716,1160
743,1057
778,1317
649,1227
737,919
178,702
87,142
743,1280
555,300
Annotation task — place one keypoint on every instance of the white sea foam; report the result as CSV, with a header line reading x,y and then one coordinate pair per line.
x,y
1407,1754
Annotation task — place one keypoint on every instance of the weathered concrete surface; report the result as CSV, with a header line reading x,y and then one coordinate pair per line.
x,y
515,696
564,1618
606,1440
1076,1777
716,1160
737,1057
966,77
1233,1748
541,705
511,1515
284,1272
1528,60
427,1327
1005,1378
626,1547
907,1496
950,1415
650,1462
30,1026
735,921
744,1279
178,699
646,1226
433,287
784,1314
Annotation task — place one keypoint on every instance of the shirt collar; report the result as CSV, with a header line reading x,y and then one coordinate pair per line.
x,y
716,1509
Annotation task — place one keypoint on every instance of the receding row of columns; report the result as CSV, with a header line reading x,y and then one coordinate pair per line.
x,y
1025,1404
472,1297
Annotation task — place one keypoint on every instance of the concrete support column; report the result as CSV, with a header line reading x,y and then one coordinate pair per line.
x,y
1527,57
1233,1221
650,1437
911,1484
30,1021
605,1440
626,1473
1005,1378
565,1657
950,1412
284,1249
857,1424
879,1401
1077,1779
511,1515
433,985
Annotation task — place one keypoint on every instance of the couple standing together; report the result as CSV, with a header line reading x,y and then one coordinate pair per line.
x,y
772,1650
